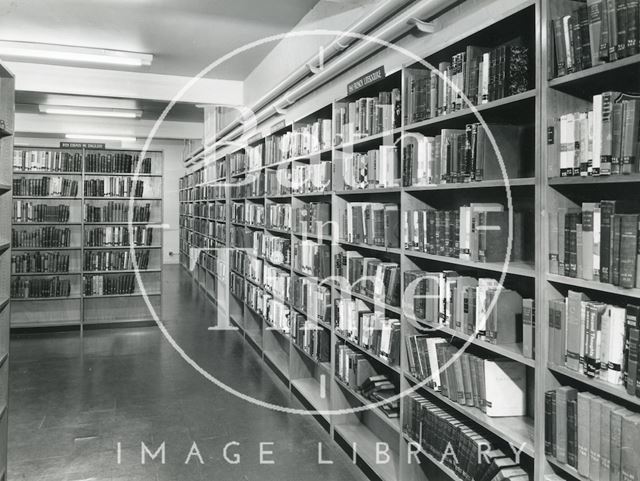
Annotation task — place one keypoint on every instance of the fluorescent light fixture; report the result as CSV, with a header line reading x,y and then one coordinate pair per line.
x,y
73,54
90,111
120,138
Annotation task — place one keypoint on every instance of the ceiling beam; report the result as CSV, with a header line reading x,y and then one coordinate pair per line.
x,y
111,83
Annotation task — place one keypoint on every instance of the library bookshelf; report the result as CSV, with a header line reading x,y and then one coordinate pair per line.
x,y
91,255
537,191
7,125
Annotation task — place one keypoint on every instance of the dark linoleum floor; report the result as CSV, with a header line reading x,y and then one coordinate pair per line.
x,y
73,399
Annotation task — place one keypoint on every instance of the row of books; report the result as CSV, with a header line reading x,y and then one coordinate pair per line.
x,y
237,162
477,232
98,285
45,187
312,339
254,157
479,308
312,218
278,181
116,212
602,140
356,371
42,237
276,281
46,161
214,211
597,242
36,288
374,278
278,216
379,168
595,436
308,178
248,213
593,33
463,155
497,387
276,314
596,339
440,433
117,163
312,258
371,223
481,74
115,261
40,262
205,192
25,211
367,116
373,331
114,187
312,298
118,236
251,186
305,139
277,250
236,285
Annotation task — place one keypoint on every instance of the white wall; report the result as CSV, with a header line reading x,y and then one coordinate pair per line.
x,y
173,170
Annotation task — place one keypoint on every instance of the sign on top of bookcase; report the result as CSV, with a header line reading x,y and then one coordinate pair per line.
x,y
80,145
366,80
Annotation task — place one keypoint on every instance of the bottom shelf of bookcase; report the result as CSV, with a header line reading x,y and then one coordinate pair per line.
x,y
280,361
448,472
310,389
366,445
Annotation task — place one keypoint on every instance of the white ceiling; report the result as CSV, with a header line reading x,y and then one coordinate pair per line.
x,y
183,35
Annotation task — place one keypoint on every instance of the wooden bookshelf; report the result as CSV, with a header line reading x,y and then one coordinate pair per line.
x,y
7,127
80,308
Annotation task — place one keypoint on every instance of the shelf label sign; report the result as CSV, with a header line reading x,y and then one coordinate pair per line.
x,y
80,145
255,138
279,125
366,80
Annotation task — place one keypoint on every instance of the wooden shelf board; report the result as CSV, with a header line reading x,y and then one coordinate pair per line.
x,y
135,294
371,139
29,299
597,286
599,179
21,249
618,391
517,430
389,250
369,191
510,351
46,274
518,268
365,298
309,388
468,112
120,247
309,156
609,67
366,440
47,197
320,193
484,184
279,360
45,172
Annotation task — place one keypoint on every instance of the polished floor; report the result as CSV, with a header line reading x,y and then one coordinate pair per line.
x,y
74,400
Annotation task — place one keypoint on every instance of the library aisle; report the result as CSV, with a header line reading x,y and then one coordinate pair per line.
x,y
72,400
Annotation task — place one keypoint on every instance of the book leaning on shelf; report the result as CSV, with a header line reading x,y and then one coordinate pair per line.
x,y
371,330
45,187
495,386
371,223
464,304
42,237
25,211
46,160
311,338
597,242
472,461
597,31
39,288
374,278
356,371
475,232
367,116
40,262
602,140
482,74
378,168
593,435
599,340
463,155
